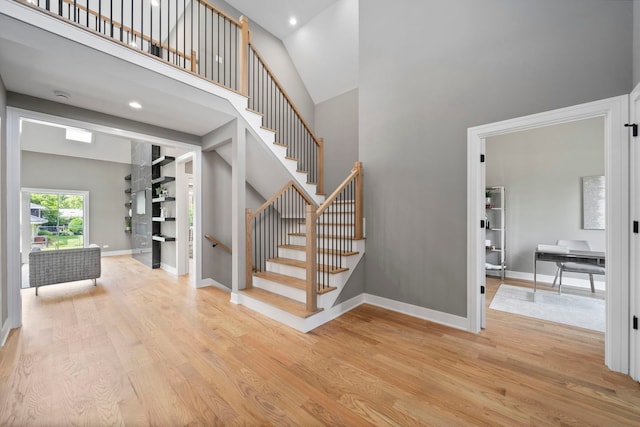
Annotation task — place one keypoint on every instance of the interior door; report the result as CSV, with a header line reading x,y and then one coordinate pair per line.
x,y
634,113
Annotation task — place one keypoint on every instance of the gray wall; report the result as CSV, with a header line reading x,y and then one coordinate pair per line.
x,y
216,215
104,181
541,171
456,65
337,123
4,282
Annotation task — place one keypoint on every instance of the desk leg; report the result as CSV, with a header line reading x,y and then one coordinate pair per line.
x,y
535,283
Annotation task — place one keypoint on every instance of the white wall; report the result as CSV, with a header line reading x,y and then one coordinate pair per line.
x,y
333,33
541,170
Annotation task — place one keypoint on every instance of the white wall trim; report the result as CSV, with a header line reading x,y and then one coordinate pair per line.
x,y
208,282
334,312
615,112
169,269
4,333
440,317
117,253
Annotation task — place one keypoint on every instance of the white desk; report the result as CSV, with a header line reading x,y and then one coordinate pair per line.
x,y
582,257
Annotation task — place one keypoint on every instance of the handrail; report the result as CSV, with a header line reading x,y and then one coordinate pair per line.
x,y
341,225
218,11
280,192
268,228
217,242
268,96
286,95
128,30
356,173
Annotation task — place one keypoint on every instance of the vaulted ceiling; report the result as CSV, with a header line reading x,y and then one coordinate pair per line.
x,y
323,44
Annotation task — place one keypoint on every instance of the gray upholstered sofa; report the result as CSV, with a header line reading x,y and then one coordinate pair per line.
x,y
67,265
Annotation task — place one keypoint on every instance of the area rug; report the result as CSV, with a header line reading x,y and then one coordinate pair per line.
x,y
574,310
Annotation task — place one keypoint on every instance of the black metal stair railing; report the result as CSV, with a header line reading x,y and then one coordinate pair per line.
x,y
192,34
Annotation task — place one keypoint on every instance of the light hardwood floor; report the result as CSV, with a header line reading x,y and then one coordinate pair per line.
x,y
144,348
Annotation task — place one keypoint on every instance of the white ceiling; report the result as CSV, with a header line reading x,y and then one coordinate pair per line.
x,y
36,63
274,15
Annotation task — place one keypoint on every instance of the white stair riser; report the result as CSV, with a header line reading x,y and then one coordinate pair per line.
x,y
292,254
338,230
342,218
302,256
254,119
337,280
280,289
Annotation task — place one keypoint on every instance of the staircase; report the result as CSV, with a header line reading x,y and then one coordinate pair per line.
x,y
296,274
309,255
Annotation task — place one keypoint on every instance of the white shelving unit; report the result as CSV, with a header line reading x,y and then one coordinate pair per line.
x,y
495,231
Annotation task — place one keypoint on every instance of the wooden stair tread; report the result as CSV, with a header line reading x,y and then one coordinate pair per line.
x,y
268,129
290,281
254,111
283,303
283,279
303,264
323,250
280,144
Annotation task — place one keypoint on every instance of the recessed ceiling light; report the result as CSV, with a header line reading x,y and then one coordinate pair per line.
x,y
155,3
135,105
293,21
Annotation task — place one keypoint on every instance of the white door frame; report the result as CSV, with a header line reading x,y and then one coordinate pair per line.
x,y
13,156
182,215
615,112
634,300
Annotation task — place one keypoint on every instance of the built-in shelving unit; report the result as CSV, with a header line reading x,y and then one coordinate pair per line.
x,y
159,216
495,231
127,205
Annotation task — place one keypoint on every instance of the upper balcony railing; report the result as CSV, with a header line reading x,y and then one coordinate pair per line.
x,y
201,39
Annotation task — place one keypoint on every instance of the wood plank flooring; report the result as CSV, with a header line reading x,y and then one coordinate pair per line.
x,y
143,348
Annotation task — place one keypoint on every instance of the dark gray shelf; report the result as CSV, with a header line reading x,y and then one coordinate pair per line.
x,y
164,160
163,180
163,199
161,238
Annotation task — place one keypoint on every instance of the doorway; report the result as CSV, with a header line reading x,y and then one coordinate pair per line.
x,y
614,112
14,235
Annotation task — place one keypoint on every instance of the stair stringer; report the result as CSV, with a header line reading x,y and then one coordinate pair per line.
x,y
266,139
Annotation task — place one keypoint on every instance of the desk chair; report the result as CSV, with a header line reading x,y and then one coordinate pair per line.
x,y
575,267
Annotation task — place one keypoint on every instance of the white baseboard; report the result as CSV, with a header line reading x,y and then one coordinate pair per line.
x,y
335,311
440,317
566,281
4,333
169,269
205,283
117,253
